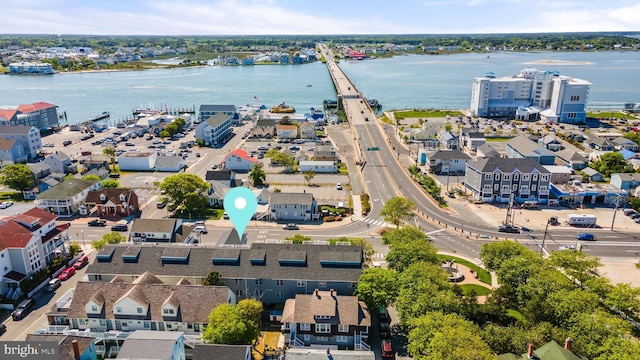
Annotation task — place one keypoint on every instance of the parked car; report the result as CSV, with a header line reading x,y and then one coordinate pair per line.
x,y
6,204
197,154
386,349
23,309
338,186
225,216
161,204
120,227
53,284
67,273
200,229
67,142
509,229
128,143
290,227
97,222
384,330
567,247
629,212
81,262
3,328
586,237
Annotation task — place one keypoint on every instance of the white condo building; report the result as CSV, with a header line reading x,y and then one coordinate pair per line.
x,y
533,94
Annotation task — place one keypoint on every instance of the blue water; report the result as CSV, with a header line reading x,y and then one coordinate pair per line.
x,y
417,81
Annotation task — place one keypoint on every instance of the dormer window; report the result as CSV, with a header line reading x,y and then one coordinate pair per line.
x,y
103,197
122,197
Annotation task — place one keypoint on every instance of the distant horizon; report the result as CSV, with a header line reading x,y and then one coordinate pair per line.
x,y
331,17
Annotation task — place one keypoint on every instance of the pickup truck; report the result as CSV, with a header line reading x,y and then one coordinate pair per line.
x,y
97,222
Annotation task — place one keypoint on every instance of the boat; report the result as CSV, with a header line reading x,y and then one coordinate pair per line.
x,y
283,108
309,85
374,104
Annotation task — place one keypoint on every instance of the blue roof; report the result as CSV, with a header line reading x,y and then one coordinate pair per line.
x,y
627,154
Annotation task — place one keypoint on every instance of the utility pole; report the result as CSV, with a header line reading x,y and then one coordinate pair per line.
x,y
544,237
615,210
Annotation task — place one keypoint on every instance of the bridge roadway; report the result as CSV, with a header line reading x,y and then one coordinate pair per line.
x,y
384,177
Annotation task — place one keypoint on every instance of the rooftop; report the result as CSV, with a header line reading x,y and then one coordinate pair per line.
x,y
67,189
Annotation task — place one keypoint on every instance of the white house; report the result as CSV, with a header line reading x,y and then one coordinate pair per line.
x,y
169,163
60,162
239,160
286,131
64,198
318,166
292,206
154,230
28,136
214,130
137,161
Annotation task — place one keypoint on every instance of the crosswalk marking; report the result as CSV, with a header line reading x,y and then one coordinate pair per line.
x,y
374,222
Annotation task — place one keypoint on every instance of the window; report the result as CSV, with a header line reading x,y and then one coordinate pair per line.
x,y
94,308
118,309
322,283
506,177
525,177
497,176
323,317
307,337
238,281
102,322
280,294
543,188
301,283
167,311
533,188
343,328
524,188
534,177
146,325
258,281
544,177
81,322
341,339
279,282
515,187
323,328
322,338
496,187
487,176
305,327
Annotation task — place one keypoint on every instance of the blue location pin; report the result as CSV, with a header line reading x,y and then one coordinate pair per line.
x,y
240,203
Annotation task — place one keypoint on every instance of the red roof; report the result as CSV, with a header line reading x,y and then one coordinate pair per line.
x,y
44,215
241,154
25,108
7,114
13,235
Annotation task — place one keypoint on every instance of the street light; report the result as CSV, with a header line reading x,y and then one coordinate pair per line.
x,y
82,232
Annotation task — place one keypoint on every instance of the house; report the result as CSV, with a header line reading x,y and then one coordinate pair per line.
x,y
428,137
262,195
59,162
572,158
216,193
264,129
154,230
102,173
157,345
40,171
308,353
495,179
28,243
575,193
621,143
221,352
601,144
559,174
448,140
625,181
215,130
97,161
549,351
169,163
307,130
292,207
486,151
113,201
145,304
64,198
287,131
207,111
70,347
318,166
575,136
628,154
43,185
326,318
592,174
550,142
239,160
223,176
41,115
325,152
137,161
28,136
269,272
471,139
447,162
12,152
521,147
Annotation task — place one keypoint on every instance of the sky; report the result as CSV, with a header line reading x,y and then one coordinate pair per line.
x,y
307,17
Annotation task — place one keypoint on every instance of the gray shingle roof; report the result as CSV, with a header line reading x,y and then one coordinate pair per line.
x,y
153,225
199,262
506,165
208,297
571,155
67,189
488,151
15,129
220,352
65,343
526,147
627,176
622,141
265,123
345,310
39,167
601,141
218,108
217,119
149,345
291,198
168,161
450,155
223,174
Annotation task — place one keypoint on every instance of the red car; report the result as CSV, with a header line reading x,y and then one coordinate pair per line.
x,y
387,350
67,273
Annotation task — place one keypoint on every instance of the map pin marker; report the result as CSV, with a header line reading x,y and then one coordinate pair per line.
x,y
240,204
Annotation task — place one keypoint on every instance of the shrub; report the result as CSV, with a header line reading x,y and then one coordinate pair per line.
x,y
329,219
338,218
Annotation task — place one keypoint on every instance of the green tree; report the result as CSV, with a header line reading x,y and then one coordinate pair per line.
x,y
308,176
108,238
612,162
91,177
446,337
590,331
213,278
448,127
186,191
397,209
405,253
250,310
377,287
625,298
110,183
577,265
257,176
493,254
234,325
406,233
74,249
110,152
164,134
298,238
17,177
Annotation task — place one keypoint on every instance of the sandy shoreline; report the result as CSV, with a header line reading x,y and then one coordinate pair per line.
x,y
558,62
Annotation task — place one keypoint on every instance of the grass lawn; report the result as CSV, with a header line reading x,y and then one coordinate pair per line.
x,y
483,275
342,169
400,115
609,114
499,138
515,314
480,290
210,214
11,195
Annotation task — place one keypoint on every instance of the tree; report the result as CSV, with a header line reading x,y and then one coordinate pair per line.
x,y
493,254
91,177
407,233
74,249
612,162
298,238
448,127
367,247
308,176
377,287
186,190
109,238
17,177
110,183
110,152
234,325
213,278
405,253
439,336
577,265
625,298
397,209
164,134
257,176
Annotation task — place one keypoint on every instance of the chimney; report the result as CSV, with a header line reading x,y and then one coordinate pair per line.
x,y
530,351
76,350
568,343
